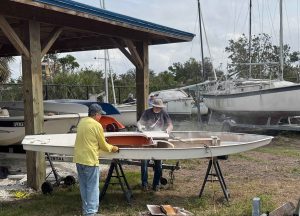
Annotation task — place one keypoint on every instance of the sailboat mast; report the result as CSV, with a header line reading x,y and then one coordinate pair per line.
x,y
102,6
250,38
281,42
201,42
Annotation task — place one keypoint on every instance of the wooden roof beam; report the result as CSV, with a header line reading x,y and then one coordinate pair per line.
x,y
13,37
134,53
51,40
125,52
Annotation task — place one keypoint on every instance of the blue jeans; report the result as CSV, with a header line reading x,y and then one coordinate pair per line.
x,y
88,177
157,172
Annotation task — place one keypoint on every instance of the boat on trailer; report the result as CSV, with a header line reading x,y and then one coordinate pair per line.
x,y
155,145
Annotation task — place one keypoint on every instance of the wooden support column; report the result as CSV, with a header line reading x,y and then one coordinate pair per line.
x,y
33,102
142,78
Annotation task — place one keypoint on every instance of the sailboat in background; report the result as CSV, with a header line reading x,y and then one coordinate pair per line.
x,y
255,101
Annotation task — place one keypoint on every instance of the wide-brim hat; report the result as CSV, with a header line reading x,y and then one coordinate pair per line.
x,y
95,108
158,103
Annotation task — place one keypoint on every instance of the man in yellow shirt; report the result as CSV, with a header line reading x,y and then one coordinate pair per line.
x,y
89,141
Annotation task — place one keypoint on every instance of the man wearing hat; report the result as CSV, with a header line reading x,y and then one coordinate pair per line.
x,y
154,119
89,141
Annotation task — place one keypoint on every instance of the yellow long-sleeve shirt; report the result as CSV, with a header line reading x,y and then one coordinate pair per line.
x,y
89,142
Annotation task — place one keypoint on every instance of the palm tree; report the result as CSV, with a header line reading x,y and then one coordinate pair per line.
x,y
5,71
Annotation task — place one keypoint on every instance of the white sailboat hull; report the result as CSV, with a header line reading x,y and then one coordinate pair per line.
x,y
274,102
230,143
177,102
12,130
126,117
49,106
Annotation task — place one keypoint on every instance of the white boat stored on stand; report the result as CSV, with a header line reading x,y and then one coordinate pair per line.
x,y
249,101
157,145
12,129
256,101
127,114
16,108
177,102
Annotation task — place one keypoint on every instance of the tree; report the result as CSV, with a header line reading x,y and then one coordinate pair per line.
x,y
262,51
5,71
74,85
163,80
190,72
68,63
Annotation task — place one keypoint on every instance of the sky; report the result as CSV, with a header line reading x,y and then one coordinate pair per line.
x,y
223,20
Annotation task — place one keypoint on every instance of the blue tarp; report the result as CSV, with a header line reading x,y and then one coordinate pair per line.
x,y
108,108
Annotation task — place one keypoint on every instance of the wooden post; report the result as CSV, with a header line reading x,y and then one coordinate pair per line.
x,y
142,78
33,102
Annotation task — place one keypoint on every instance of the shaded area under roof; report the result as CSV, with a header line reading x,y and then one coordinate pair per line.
x,y
84,27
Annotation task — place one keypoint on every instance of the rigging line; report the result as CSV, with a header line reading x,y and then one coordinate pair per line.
x,y
260,15
288,23
245,21
207,44
195,30
298,22
241,10
261,18
234,17
271,22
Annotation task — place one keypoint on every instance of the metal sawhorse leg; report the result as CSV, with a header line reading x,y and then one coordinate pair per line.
x,y
116,166
218,173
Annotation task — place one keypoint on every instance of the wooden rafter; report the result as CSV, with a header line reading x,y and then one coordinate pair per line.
x,y
134,53
13,37
51,40
125,52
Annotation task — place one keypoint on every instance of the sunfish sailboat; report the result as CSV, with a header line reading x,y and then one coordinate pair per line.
x,y
155,145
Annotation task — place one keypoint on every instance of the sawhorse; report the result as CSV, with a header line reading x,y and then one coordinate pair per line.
x,y
116,166
218,173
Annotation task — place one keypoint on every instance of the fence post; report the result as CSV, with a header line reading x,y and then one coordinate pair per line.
x,y
87,92
46,92
256,206
119,95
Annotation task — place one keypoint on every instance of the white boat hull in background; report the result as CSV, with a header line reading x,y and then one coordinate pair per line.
x,y
127,114
126,117
14,131
231,143
49,106
177,102
269,102
180,107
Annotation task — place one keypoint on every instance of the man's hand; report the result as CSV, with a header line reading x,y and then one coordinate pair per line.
x,y
141,127
168,130
115,149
